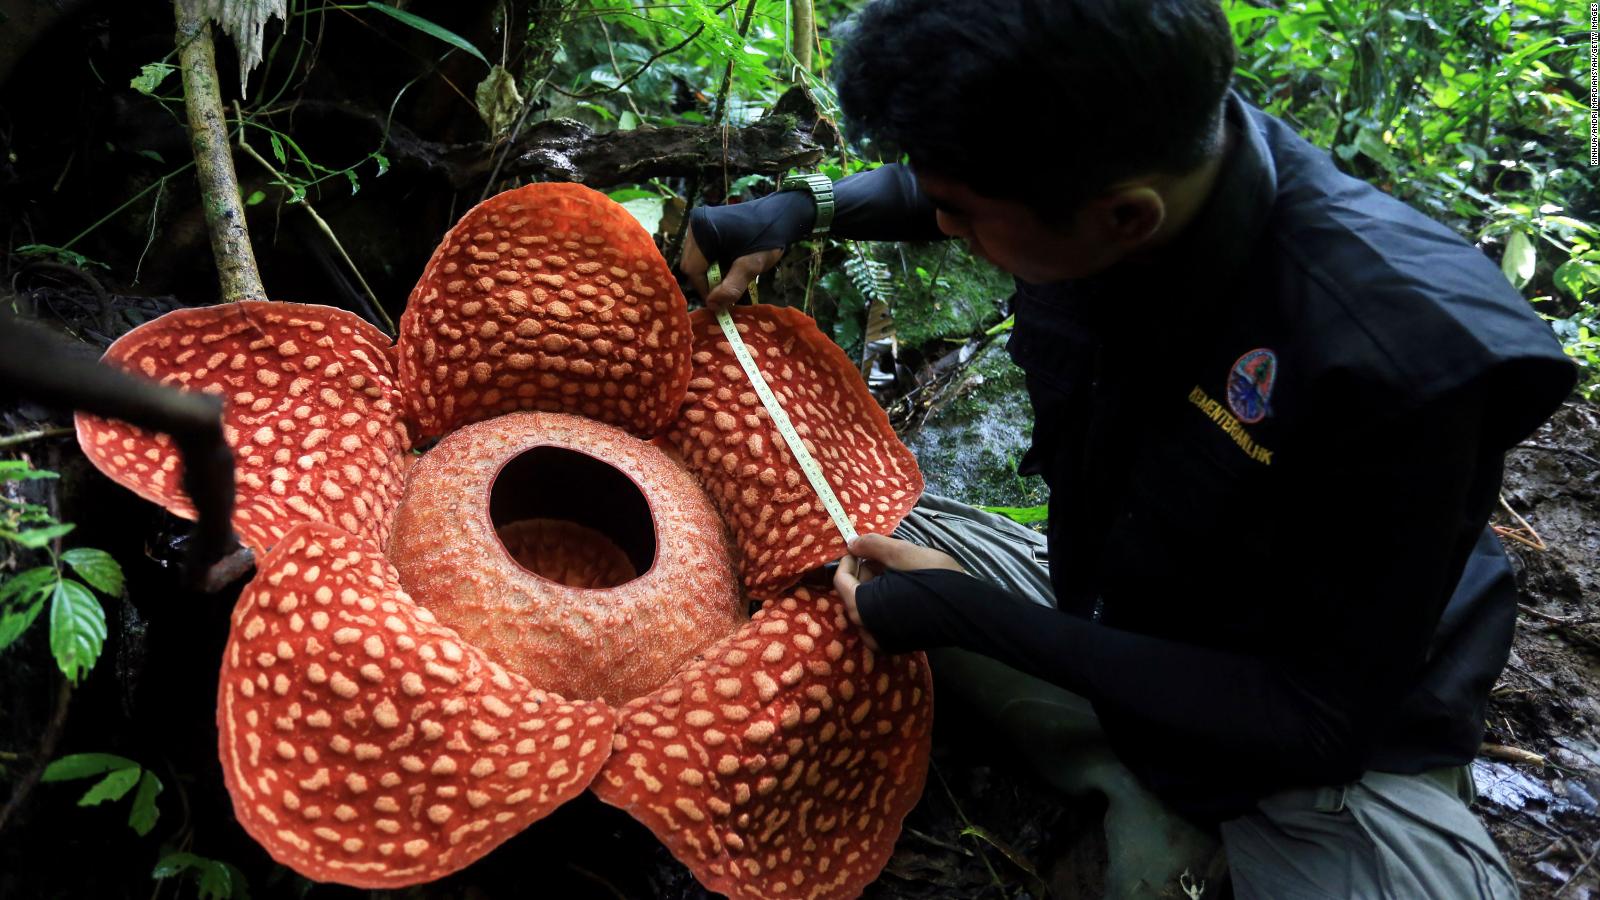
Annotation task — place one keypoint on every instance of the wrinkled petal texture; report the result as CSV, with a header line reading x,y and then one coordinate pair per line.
x,y
311,411
549,297
725,436
614,643
782,764
365,744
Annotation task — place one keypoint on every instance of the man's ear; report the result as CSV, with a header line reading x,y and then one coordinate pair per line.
x,y
1126,217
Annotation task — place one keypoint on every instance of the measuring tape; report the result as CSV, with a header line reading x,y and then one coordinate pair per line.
x,y
808,464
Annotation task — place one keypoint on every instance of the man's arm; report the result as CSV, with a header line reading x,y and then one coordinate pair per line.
x,y
1352,632
746,239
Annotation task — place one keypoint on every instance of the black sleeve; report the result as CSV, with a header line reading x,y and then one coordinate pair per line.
x,y
879,205
1385,508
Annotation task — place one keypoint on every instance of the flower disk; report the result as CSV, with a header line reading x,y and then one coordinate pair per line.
x,y
363,743
782,764
310,409
615,643
726,437
549,297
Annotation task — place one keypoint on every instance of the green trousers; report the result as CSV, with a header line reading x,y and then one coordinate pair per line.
x,y
1383,836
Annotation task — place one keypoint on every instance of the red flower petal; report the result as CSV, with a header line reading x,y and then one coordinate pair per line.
x,y
782,764
548,297
363,743
615,643
725,436
310,410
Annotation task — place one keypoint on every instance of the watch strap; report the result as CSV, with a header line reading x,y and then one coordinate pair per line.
x,y
821,189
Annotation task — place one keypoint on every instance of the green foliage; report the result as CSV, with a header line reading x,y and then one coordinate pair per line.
x,y
1468,109
216,880
77,628
430,29
150,77
1023,515
77,621
120,775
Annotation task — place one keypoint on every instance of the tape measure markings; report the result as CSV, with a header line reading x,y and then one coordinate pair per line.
x,y
808,464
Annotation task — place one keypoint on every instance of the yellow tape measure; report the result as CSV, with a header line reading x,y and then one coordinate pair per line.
x,y
808,464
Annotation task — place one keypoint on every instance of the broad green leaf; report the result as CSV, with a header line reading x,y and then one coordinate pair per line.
x,y
177,863
254,198
1023,515
1519,259
16,621
96,567
111,787
627,121
429,28
84,765
144,813
150,77
647,210
77,628
35,538
16,469
18,588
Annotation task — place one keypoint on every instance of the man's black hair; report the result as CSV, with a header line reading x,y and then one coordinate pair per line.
x,y
1042,101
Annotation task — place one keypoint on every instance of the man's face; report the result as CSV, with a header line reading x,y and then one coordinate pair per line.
x,y
1013,237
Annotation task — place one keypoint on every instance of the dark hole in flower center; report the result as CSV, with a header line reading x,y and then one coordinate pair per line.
x,y
571,518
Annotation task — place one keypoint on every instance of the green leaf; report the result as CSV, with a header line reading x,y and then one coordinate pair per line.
x,y
84,765
218,880
178,863
38,537
18,470
111,787
1519,259
255,197
150,77
1022,515
77,628
144,813
627,121
428,28
17,588
647,210
96,567
383,163
277,149
16,621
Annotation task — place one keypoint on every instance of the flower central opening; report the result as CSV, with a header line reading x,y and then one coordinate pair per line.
x,y
573,519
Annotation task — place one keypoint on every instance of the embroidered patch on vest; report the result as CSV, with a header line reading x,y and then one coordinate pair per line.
x,y
1250,385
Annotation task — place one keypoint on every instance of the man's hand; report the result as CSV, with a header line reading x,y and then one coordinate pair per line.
x,y
744,270
871,554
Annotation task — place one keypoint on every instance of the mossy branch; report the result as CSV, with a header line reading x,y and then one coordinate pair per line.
x,y
237,273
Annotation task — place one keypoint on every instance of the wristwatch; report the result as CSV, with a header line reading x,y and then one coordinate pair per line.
x,y
821,188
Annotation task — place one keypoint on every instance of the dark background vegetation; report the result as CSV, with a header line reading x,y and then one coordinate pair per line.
x,y
1475,111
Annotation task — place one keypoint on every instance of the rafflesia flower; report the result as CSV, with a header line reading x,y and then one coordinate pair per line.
x,y
432,656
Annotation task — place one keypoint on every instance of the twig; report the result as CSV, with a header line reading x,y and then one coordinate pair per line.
x,y
327,231
237,273
1549,449
1554,620
966,823
47,749
940,842
1511,754
1515,534
1576,873
589,95
23,437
